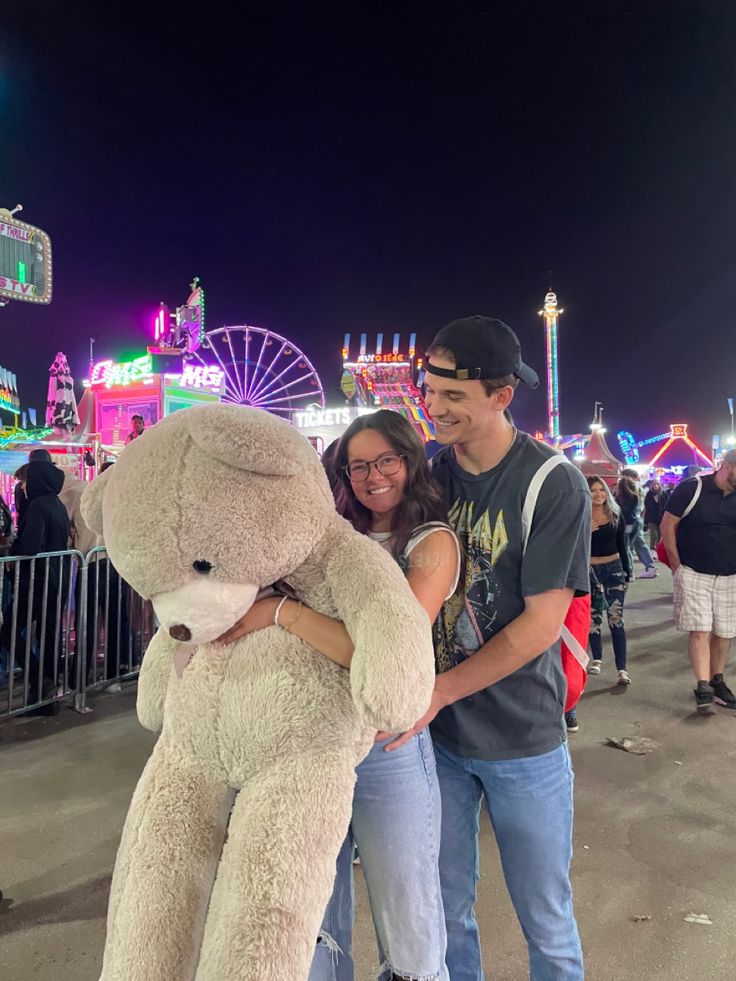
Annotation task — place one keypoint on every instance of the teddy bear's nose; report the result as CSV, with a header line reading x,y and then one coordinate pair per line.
x,y
180,632
202,565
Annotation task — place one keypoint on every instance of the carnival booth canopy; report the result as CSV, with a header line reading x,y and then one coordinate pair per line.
x,y
152,386
597,459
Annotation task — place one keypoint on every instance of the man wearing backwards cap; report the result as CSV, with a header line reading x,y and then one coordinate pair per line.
x,y
497,712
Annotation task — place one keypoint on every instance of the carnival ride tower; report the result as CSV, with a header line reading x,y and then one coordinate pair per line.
x,y
551,314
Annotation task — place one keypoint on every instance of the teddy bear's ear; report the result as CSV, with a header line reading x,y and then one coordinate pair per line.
x,y
250,439
91,503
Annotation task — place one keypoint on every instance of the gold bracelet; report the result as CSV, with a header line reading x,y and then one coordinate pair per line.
x,y
287,626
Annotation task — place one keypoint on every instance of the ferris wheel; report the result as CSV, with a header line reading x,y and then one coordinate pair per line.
x,y
263,369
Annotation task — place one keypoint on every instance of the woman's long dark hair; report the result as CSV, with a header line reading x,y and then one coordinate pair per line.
x,y
422,499
626,493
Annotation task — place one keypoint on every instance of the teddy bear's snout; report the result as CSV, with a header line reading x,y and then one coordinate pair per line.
x,y
180,632
203,609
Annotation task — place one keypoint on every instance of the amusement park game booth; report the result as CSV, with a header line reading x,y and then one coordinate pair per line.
x,y
152,386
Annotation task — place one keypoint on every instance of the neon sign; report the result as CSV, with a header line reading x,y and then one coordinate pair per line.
x,y
161,323
140,371
381,359
110,373
317,418
201,376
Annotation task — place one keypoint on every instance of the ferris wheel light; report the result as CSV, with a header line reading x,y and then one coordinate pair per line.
x,y
263,370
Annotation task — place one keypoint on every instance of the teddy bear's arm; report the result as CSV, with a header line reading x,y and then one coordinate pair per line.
x,y
154,680
392,672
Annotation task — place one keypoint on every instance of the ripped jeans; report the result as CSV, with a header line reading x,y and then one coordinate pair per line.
x,y
396,827
608,585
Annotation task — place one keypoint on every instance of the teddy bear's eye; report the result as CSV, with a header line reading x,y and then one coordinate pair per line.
x,y
201,565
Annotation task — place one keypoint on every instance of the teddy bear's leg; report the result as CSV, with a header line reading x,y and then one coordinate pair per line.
x,y
277,870
166,864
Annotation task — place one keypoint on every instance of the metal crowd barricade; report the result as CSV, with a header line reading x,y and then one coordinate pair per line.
x,y
68,624
117,627
37,662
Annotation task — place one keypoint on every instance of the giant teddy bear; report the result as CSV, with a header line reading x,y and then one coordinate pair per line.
x,y
228,852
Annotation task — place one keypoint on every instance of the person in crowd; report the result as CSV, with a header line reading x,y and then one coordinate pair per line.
x,y
45,527
655,502
105,606
385,490
496,716
19,491
701,547
40,453
6,525
629,501
19,494
139,426
610,571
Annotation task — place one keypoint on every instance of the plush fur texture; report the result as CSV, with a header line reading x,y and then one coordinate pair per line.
x,y
228,853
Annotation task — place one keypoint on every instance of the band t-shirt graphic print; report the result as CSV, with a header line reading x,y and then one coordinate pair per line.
x,y
475,604
521,715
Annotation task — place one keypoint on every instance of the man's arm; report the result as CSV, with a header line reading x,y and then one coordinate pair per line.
x,y
526,637
668,528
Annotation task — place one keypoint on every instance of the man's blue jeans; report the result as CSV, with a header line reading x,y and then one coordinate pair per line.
x,y
530,805
396,826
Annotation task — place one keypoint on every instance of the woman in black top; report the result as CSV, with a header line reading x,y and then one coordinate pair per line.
x,y
610,571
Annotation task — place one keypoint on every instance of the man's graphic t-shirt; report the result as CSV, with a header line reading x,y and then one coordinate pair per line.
x,y
521,715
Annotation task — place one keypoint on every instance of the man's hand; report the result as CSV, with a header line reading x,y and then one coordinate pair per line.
x,y
258,617
438,702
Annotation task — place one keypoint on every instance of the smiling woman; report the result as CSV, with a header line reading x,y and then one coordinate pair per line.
x,y
384,478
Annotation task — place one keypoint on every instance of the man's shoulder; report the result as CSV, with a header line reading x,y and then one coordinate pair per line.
x,y
562,479
687,487
440,465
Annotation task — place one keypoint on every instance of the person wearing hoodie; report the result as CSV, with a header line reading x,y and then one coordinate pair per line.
x,y
105,603
20,498
44,527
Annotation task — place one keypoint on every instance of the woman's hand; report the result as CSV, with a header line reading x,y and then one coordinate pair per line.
x,y
258,617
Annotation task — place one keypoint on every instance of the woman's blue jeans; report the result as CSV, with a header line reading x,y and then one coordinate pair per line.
x,y
530,805
609,580
396,827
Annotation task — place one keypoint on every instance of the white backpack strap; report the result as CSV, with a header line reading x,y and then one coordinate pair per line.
x,y
576,649
696,495
530,501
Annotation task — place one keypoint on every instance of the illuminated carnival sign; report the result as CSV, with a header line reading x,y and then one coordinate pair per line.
x,y
9,391
382,359
378,356
25,261
110,374
113,373
320,418
201,376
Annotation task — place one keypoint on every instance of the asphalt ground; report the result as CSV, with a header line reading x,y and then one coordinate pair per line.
x,y
654,834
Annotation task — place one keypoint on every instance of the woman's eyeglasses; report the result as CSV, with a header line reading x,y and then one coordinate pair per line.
x,y
387,465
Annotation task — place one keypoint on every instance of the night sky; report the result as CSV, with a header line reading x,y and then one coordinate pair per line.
x,y
331,171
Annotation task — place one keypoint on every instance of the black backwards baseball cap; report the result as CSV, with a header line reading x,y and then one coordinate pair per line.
x,y
482,347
